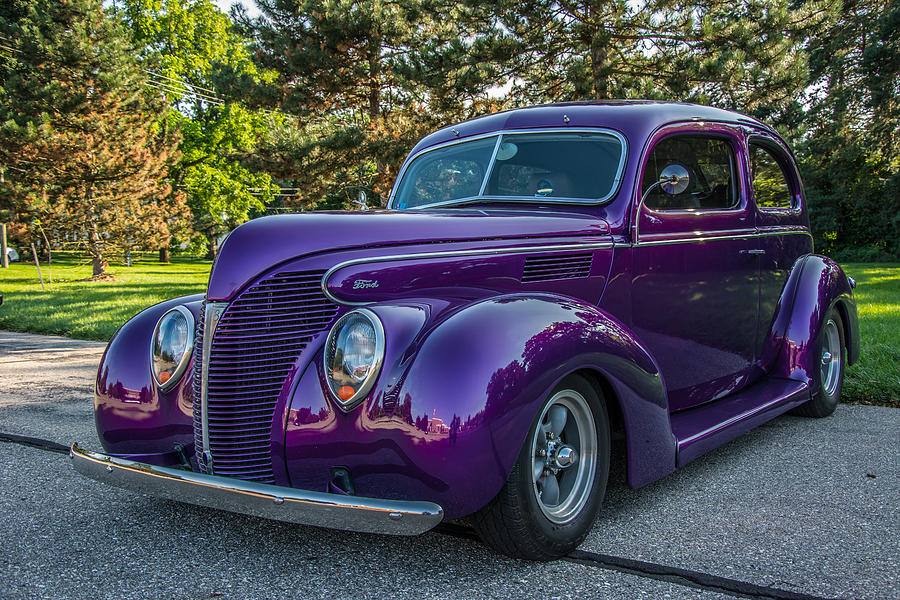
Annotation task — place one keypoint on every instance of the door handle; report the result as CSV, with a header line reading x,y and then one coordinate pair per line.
x,y
753,252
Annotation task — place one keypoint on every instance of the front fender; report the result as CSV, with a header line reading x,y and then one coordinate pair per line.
x,y
479,376
815,285
133,416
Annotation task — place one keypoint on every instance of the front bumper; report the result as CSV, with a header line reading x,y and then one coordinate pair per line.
x,y
351,513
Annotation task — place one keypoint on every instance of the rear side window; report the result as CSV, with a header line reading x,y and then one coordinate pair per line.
x,y
771,186
710,165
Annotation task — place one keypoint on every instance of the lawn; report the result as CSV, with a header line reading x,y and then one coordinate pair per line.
x,y
94,310
875,379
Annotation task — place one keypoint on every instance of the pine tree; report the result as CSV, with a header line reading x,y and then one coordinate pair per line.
x,y
742,55
851,153
364,79
85,143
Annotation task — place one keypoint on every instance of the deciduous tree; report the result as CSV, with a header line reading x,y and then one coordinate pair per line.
x,y
186,46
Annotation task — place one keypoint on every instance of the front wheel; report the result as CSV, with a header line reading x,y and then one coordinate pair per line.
x,y
550,500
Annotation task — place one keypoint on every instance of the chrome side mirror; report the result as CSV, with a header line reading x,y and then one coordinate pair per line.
x,y
674,179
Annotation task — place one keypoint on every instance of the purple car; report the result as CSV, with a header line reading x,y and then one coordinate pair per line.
x,y
545,280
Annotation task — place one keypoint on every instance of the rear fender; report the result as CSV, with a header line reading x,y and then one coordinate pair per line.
x,y
816,284
133,416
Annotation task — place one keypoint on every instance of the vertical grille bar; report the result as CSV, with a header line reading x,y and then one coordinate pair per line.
x,y
197,389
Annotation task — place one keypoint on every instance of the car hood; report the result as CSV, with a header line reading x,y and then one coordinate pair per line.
x,y
263,243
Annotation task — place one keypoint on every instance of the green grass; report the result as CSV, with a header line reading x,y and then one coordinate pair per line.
x,y
94,310
91,310
875,379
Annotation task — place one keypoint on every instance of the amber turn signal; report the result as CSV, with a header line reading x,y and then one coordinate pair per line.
x,y
164,376
346,392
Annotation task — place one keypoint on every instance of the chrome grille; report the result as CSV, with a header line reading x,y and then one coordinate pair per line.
x,y
569,266
257,340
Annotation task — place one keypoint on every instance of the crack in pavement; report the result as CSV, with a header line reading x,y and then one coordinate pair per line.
x,y
646,570
685,577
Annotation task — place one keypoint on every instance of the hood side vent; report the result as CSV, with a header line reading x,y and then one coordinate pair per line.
x,y
557,266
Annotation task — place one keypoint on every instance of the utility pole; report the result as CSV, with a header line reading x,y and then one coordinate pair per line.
x,y
5,260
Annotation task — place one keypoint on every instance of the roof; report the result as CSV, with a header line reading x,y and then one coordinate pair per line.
x,y
634,118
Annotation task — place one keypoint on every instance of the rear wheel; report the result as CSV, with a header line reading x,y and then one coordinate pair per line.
x,y
555,489
831,355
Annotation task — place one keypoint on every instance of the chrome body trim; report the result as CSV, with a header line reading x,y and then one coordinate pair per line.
x,y
211,318
185,358
740,417
369,382
350,513
614,189
449,254
714,238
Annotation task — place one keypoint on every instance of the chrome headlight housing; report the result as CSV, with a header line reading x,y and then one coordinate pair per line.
x,y
170,346
354,352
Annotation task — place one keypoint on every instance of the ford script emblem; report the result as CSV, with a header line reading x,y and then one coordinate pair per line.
x,y
364,284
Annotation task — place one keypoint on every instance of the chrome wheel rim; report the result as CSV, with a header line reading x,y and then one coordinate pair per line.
x,y
830,360
564,456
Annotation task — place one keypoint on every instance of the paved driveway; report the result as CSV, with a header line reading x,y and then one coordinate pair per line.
x,y
799,508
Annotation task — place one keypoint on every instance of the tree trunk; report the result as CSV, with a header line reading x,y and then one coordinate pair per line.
x,y
164,254
95,244
600,65
213,247
374,107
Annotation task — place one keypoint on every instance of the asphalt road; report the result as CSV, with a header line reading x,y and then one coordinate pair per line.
x,y
799,508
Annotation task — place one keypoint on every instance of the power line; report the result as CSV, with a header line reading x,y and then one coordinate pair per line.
x,y
181,81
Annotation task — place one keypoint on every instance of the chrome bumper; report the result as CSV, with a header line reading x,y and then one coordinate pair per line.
x,y
351,513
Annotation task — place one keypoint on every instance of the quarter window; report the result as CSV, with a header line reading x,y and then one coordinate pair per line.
x,y
710,166
770,183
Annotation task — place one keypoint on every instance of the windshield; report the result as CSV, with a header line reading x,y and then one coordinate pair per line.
x,y
573,166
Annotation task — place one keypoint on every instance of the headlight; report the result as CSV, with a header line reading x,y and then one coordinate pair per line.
x,y
171,346
353,354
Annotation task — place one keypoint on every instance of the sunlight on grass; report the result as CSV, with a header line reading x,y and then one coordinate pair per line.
x,y
91,309
875,379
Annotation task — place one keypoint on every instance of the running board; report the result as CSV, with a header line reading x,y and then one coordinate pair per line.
x,y
699,430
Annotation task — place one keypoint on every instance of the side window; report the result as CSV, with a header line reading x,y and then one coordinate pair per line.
x,y
770,183
710,165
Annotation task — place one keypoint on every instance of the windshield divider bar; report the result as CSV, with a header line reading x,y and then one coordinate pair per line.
x,y
490,169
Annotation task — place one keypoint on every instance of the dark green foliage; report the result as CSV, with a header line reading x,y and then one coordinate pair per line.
x,y
853,197
850,158
735,55
366,80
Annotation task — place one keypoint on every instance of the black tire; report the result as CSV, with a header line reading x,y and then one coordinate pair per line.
x,y
514,522
828,385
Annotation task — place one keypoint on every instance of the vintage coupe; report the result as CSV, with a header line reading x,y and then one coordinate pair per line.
x,y
544,280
